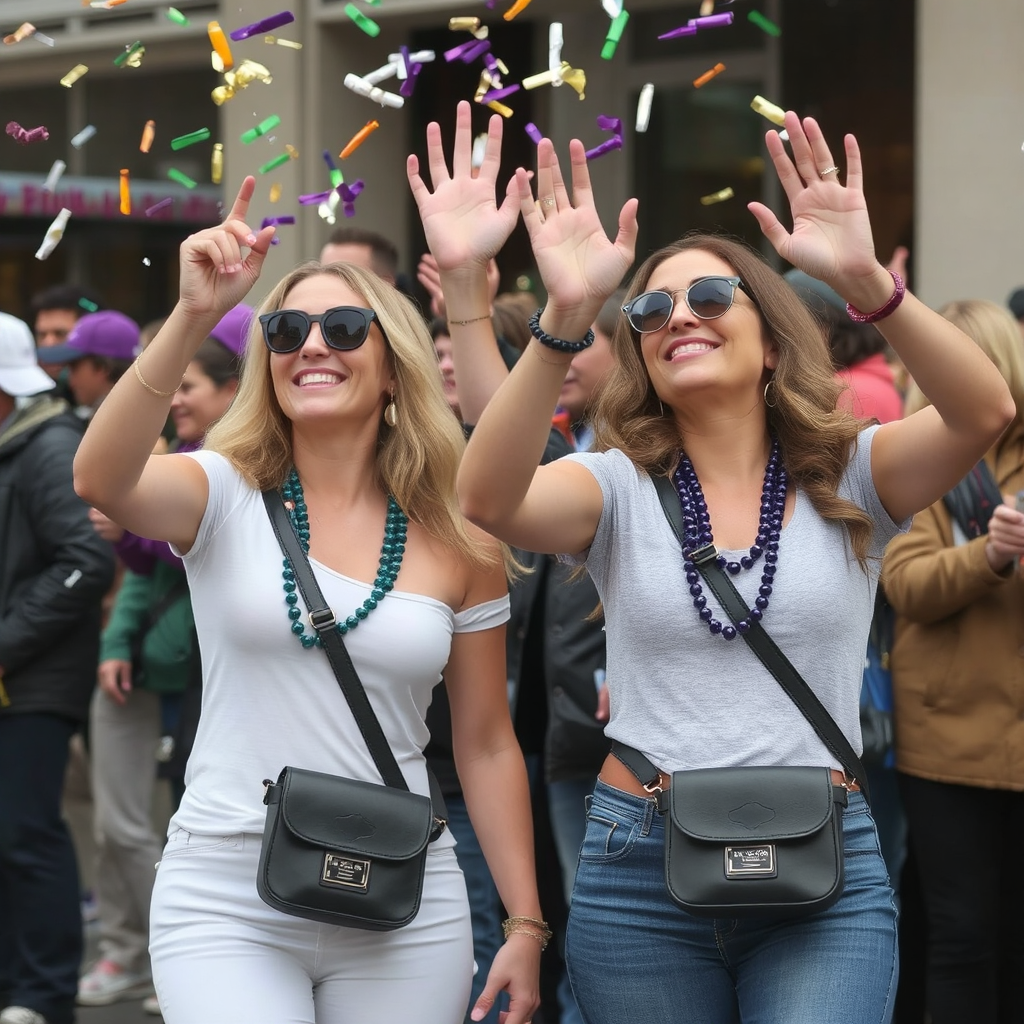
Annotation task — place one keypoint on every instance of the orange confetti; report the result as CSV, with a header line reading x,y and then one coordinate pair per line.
x,y
358,139
126,193
219,41
708,75
517,8
148,134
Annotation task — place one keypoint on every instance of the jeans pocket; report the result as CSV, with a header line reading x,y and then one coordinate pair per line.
x,y
606,838
189,844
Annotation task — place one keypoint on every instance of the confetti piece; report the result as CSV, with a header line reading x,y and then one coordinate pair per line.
x,y
277,221
611,41
266,125
54,233
311,198
24,136
148,134
264,25
534,132
217,163
476,159
541,78
336,177
712,20
499,94
517,8
326,210
270,165
40,38
180,177
177,17
348,195
575,78
23,31
200,135
764,23
358,139
643,107
363,88
769,110
146,262
607,124
58,168
219,42
152,211
408,86
683,30
706,7
290,43
129,51
717,197
613,8
126,192
464,25
88,305
555,42
368,25
416,57
500,108
292,151
74,75
468,52
381,74
708,75
79,140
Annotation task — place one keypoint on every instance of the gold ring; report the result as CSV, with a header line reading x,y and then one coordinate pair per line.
x,y
828,170
547,202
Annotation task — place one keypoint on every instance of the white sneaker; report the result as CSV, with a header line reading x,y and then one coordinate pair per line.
x,y
151,1005
107,982
21,1015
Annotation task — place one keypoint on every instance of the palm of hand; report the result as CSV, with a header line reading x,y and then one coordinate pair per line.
x,y
463,225
829,223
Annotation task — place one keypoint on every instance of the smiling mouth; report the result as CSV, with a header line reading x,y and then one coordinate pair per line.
x,y
318,379
694,347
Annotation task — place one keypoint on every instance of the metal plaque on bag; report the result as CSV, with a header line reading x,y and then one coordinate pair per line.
x,y
340,870
750,861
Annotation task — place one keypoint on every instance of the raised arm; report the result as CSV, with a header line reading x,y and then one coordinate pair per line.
x,y
164,496
556,507
916,460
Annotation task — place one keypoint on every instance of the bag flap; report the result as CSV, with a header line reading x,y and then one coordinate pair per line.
x,y
354,817
759,804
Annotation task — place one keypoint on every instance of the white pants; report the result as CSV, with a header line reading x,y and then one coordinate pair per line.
x,y
219,953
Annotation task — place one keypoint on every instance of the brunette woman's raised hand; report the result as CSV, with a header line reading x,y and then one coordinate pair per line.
x,y
215,276
831,235
463,223
579,264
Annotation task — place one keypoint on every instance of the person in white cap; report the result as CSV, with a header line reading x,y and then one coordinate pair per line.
x,y
54,571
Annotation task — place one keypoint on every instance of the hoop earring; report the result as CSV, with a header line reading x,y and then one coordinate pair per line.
x,y
771,405
391,413
661,406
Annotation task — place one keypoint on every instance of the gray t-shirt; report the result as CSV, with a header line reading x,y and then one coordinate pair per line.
x,y
689,699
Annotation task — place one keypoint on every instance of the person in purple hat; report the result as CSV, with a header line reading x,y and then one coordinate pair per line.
x,y
100,347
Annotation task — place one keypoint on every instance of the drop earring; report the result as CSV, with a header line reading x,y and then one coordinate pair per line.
x,y
391,412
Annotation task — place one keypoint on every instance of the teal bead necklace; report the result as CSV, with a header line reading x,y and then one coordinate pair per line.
x,y
391,552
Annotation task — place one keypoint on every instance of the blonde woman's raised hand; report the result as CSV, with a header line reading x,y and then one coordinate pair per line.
x,y
831,235
463,223
579,264
215,276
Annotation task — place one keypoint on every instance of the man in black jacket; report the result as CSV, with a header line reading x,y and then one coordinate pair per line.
x,y
54,571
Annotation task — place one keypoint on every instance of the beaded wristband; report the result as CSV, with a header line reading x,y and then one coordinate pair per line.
x,y
557,344
528,926
883,311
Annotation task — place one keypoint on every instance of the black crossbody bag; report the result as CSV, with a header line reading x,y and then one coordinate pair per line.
x,y
335,850
762,841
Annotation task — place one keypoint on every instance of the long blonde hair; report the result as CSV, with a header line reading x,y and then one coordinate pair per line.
x,y
817,440
994,330
416,460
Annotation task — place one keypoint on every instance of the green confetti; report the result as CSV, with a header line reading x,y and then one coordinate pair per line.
x,y
336,177
88,305
191,139
176,16
368,25
266,125
764,23
181,178
130,51
611,41
276,162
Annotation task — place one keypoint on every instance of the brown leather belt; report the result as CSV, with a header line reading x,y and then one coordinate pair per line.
x,y
614,773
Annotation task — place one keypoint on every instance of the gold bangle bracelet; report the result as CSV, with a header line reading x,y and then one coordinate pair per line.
x,y
471,320
149,387
528,926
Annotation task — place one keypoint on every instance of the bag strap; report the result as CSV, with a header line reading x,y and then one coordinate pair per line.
x,y
973,500
322,620
705,559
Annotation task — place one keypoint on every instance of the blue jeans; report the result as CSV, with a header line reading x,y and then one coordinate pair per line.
x,y
634,955
484,903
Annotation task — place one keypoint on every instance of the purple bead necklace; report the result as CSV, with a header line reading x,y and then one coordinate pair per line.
x,y
697,527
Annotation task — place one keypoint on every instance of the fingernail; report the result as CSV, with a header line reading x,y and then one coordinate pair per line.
x,y
250,239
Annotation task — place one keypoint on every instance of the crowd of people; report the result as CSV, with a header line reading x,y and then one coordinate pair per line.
x,y
535,637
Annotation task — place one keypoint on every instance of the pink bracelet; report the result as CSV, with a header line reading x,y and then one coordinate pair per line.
x,y
883,311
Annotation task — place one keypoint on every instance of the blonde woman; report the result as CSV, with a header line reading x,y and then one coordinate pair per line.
x,y
957,671
340,406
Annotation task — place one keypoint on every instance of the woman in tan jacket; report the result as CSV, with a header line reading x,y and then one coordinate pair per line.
x,y
958,677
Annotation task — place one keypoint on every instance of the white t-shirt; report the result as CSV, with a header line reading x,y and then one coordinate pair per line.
x,y
688,699
268,701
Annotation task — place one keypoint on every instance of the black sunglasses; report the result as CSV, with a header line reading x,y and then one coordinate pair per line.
x,y
707,298
343,328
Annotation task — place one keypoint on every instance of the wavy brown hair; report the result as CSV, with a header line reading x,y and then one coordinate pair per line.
x,y
817,440
416,460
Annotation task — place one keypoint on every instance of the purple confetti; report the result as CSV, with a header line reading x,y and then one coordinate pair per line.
x,y
403,52
477,49
408,86
610,124
266,25
712,20
491,63
683,30
315,198
499,94
286,219
456,52
153,210
606,147
534,132
329,160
